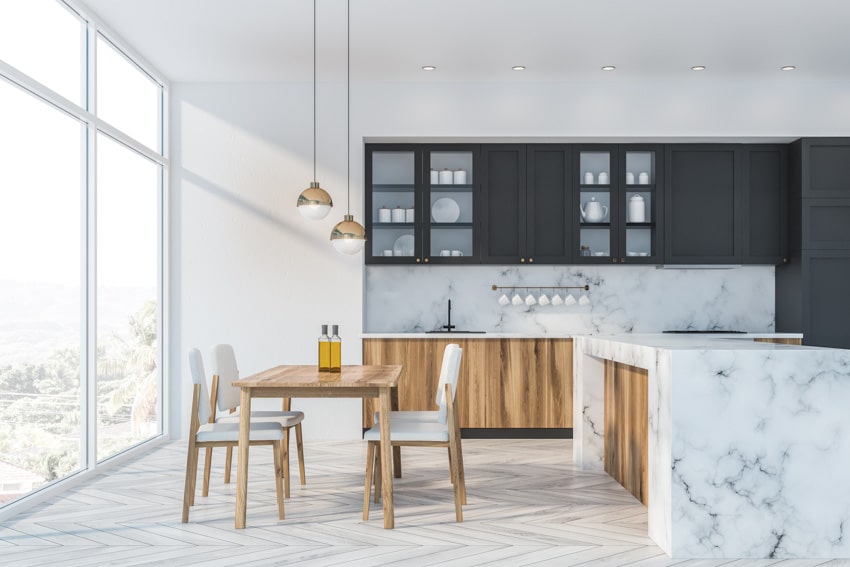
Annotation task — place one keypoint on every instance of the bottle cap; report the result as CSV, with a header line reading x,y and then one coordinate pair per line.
x,y
324,329
335,329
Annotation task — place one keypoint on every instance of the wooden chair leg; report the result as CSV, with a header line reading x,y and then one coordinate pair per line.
x,y
455,481
378,479
205,490
277,485
228,461
461,476
189,485
299,442
285,458
367,487
451,465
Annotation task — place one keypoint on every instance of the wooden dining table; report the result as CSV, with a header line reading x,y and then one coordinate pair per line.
x,y
366,381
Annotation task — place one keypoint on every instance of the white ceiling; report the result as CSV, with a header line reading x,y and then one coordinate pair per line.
x,y
479,40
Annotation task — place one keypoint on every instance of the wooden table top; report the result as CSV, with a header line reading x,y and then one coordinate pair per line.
x,y
355,376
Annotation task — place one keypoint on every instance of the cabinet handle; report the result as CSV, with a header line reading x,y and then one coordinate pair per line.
x,y
522,260
417,260
622,260
530,260
427,260
614,260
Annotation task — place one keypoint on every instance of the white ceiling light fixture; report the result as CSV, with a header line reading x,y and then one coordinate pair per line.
x,y
698,68
428,68
787,68
608,68
314,203
348,236
518,67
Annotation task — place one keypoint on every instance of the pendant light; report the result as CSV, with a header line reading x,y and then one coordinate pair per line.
x,y
314,202
348,236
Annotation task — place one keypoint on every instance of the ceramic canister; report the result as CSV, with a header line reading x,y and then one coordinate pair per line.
x,y
459,177
637,209
398,214
446,177
410,215
384,215
435,177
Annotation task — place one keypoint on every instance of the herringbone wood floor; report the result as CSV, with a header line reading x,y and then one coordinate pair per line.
x,y
528,505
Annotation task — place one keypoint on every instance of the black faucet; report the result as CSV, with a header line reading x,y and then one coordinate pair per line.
x,y
449,327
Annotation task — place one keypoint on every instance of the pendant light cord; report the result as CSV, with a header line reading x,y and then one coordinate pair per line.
x,y
348,107
314,90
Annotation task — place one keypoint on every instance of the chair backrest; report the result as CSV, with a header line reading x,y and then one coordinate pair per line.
x,y
199,378
451,371
224,366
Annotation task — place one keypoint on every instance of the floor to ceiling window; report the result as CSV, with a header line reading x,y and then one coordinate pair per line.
x,y
82,178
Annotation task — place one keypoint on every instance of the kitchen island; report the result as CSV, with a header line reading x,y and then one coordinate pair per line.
x,y
746,444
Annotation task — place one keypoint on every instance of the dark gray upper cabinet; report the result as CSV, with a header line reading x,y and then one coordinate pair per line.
x,y
548,204
503,224
702,208
824,167
765,196
726,204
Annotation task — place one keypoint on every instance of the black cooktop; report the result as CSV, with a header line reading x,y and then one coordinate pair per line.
x,y
716,331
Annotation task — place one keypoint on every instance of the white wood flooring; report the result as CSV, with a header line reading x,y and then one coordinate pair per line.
x,y
528,505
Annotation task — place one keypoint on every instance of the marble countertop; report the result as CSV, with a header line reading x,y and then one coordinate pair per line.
x,y
660,340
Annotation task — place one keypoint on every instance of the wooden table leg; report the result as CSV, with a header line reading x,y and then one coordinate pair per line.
x,y
396,450
386,460
242,467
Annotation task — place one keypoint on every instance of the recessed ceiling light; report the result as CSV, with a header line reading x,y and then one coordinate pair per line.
x,y
429,68
698,68
787,68
608,68
518,67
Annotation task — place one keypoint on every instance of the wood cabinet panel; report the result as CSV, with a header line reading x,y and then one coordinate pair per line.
x,y
504,383
626,427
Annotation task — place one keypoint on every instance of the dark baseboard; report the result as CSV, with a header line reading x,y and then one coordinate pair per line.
x,y
516,433
513,432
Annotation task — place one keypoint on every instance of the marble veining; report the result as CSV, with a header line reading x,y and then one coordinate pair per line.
x,y
623,299
748,447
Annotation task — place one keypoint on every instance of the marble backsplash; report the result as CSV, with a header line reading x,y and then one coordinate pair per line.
x,y
623,299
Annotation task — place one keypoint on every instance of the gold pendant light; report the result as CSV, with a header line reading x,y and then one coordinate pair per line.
x,y
348,236
314,202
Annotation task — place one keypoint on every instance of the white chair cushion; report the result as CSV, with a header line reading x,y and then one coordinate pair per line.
x,y
423,416
270,431
411,431
284,418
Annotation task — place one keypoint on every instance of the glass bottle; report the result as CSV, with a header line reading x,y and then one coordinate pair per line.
x,y
324,350
336,350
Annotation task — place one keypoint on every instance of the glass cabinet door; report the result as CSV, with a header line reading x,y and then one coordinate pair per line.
x,y
639,241
449,234
596,205
392,210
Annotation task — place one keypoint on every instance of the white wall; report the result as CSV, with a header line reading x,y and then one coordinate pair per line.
x,y
246,269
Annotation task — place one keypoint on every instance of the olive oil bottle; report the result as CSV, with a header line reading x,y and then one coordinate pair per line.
x,y
324,350
336,350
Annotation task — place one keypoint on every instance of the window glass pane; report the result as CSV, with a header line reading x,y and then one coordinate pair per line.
x,y
40,292
45,40
126,97
127,278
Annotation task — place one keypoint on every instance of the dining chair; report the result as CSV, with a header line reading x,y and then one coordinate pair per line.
x,y
226,397
203,434
444,432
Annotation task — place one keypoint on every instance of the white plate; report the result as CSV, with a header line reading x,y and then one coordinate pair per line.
x,y
445,210
403,245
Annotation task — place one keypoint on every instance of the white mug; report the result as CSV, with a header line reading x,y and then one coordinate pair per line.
x,y
530,300
584,300
516,300
570,300
457,253
445,253
556,299
504,300
544,300
388,252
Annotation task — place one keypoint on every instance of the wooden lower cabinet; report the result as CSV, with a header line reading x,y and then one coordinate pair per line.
x,y
797,342
504,383
626,427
